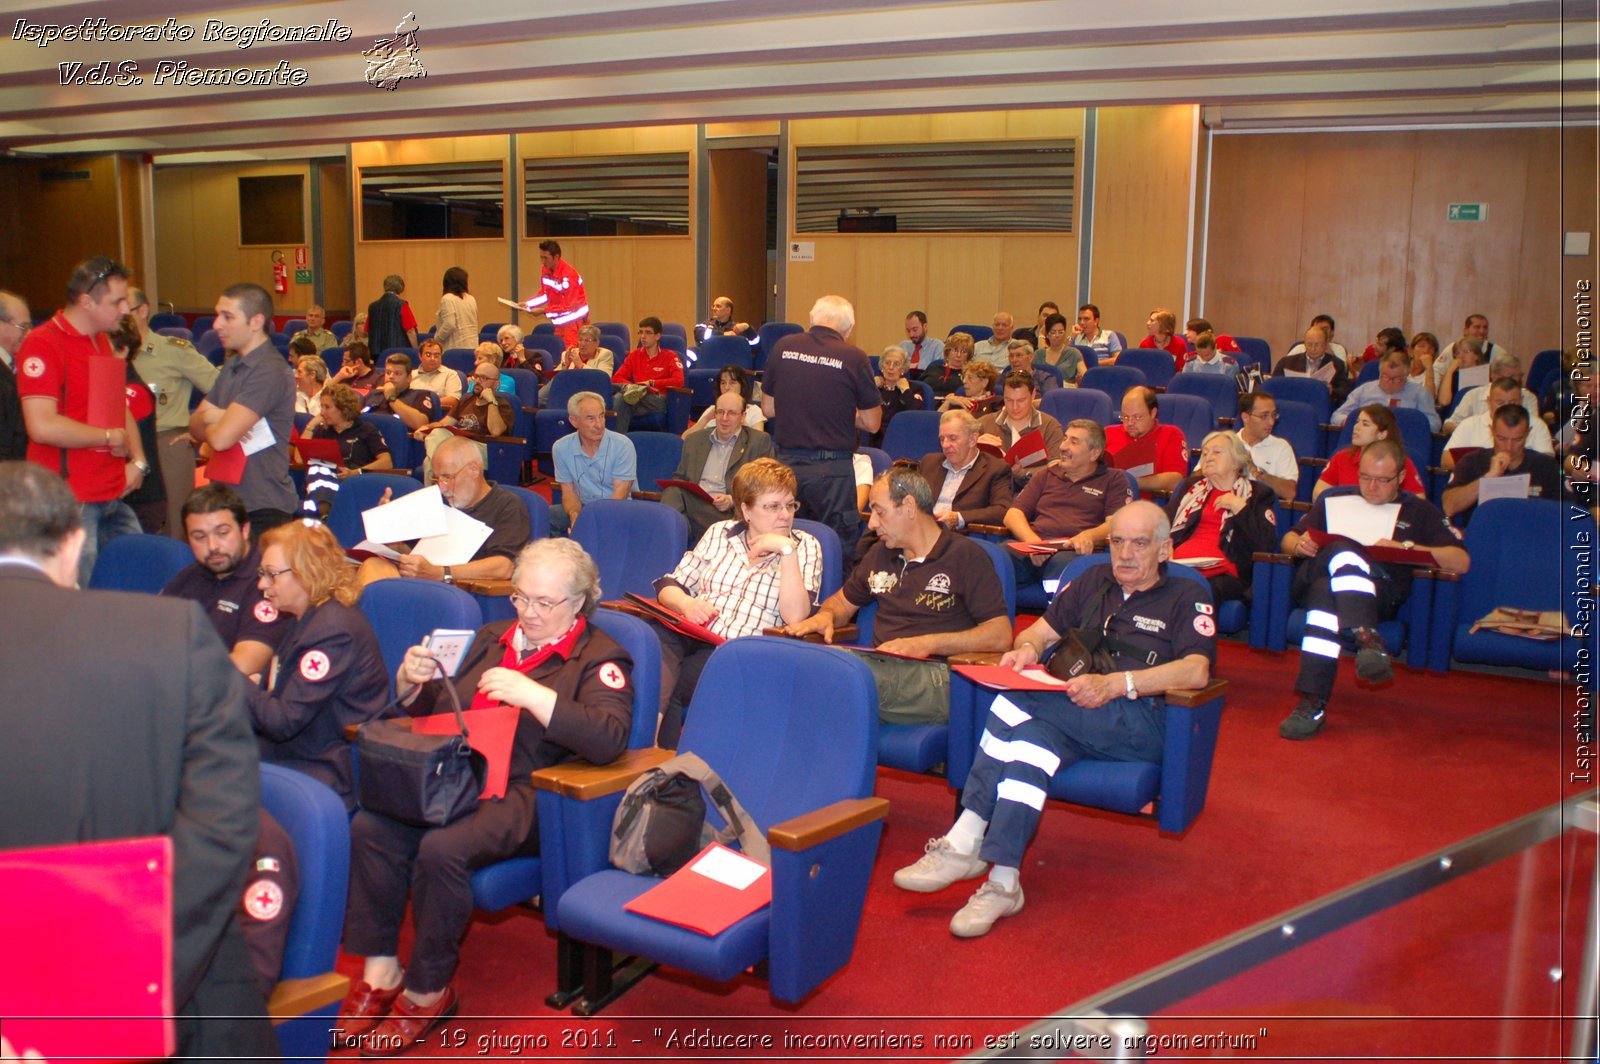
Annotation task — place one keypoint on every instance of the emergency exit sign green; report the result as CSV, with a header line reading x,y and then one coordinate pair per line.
x,y
1468,212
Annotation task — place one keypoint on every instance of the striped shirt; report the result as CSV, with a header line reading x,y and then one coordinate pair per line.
x,y
717,571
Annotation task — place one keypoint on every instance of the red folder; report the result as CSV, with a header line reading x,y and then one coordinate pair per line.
x,y
695,901
88,941
227,466
108,403
671,618
1044,546
1028,450
1390,555
489,731
1005,678
314,450
685,485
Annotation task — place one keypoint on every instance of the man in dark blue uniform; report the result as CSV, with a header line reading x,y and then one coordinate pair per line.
x,y
831,396
1157,633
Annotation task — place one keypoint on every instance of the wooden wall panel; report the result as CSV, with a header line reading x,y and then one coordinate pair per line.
x,y
1141,214
422,264
738,230
198,253
338,244
58,225
1355,225
626,277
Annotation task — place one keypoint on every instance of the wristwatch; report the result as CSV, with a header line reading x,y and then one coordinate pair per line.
x,y
448,578
1127,683
1409,545
142,466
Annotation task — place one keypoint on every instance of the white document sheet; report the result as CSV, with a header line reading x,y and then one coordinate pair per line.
x,y
259,438
1514,486
1471,377
729,868
414,516
461,539
1355,517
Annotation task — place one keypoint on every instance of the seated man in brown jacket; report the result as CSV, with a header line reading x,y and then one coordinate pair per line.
x,y
970,487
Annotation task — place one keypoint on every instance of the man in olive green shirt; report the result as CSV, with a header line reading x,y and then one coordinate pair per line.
x,y
173,370
314,331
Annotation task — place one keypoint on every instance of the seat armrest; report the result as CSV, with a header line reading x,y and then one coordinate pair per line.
x,y
842,633
976,657
352,732
829,822
582,781
988,530
1313,461
492,588
293,998
1270,556
1191,696
647,496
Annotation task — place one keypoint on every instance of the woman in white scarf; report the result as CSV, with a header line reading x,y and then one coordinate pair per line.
x,y
1221,516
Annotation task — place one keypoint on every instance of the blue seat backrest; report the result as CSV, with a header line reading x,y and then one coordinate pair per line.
x,y
657,454
538,509
770,334
639,640
139,562
634,542
460,359
1192,415
722,351
673,328
1157,366
1369,372
619,348
402,611
1298,425
912,434
1113,380
527,383
488,334
319,827
1068,404
404,452
356,496
567,383
1221,391
878,457
1520,558
677,345
545,345
832,555
1255,349
789,726
1545,367
1312,392
167,321
979,333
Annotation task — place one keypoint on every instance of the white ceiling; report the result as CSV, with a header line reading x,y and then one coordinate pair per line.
x,y
520,65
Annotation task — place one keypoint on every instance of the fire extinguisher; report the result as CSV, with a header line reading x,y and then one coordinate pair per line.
x,y
280,273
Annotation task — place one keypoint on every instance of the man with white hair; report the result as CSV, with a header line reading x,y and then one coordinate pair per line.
x,y
832,396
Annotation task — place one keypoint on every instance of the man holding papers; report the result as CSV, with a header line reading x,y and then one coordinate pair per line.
x,y
1017,421
937,595
1508,470
251,408
78,421
1157,634
1477,432
1157,455
1070,503
711,458
458,469
1343,585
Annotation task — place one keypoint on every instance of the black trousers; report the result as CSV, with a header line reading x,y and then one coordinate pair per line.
x,y
682,661
226,1017
389,860
1340,588
828,494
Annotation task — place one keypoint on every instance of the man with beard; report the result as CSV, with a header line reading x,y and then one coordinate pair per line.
x,y
223,577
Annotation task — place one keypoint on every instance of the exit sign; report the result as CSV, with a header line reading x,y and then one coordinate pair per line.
x,y
1468,212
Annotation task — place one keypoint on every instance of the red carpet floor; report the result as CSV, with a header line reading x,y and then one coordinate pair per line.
x,y
1396,774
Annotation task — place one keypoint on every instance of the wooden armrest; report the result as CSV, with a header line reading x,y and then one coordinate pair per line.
x,y
492,588
293,998
1442,575
1313,462
1298,506
530,410
988,530
583,781
1225,422
681,390
647,496
829,822
842,633
976,657
1437,469
1271,556
514,441
353,731
1186,696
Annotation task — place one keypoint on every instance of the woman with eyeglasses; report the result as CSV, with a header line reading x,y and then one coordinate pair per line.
x,y
744,575
1375,422
571,686
1221,515
328,671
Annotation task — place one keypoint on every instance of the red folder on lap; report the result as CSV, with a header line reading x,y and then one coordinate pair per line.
x,y
88,950
685,485
1391,555
489,731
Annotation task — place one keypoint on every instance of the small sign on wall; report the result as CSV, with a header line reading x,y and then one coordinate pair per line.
x,y
803,251
302,276
1467,212
300,257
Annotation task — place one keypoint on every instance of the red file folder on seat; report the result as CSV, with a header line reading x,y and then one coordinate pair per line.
x,y
704,894
88,942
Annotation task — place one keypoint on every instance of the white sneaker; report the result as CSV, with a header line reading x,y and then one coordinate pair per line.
x,y
939,867
989,904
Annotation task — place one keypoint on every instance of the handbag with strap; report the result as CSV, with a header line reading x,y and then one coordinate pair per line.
x,y
661,823
427,781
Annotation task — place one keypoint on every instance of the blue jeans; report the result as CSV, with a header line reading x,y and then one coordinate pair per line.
x,y
102,523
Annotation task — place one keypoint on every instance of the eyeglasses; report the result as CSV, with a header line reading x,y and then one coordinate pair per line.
x,y
271,575
775,508
22,327
1134,419
447,478
486,380
1372,478
1140,543
522,603
1270,415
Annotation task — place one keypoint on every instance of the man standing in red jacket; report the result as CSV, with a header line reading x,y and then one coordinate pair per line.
x,y
561,296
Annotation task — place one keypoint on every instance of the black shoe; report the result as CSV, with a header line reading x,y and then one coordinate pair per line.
x,y
1372,658
1306,720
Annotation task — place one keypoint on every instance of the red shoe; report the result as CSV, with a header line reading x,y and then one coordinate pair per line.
x,y
407,1024
362,1010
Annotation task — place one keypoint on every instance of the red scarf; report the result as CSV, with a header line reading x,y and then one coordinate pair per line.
x,y
510,660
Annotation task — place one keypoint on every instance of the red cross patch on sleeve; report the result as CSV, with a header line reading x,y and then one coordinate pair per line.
x,y
314,666
266,613
263,900
612,676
